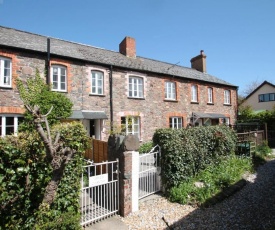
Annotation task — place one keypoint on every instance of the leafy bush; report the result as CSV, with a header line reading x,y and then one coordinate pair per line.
x,y
24,174
214,179
146,147
36,92
187,151
263,149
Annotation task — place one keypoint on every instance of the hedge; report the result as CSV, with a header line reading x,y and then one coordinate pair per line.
x,y
24,174
187,151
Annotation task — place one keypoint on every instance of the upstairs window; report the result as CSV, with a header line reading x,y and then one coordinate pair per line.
x,y
170,90
194,93
210,95
136,87
227,97
97,82
59,78
267,97
175,122
5,72
9,124
130,125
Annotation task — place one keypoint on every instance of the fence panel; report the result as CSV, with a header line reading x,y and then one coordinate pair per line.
x,y
98,151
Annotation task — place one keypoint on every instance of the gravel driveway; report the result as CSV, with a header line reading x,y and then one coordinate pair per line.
x,y
253,207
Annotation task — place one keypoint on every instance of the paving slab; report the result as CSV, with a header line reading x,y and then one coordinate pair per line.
x,y
114,223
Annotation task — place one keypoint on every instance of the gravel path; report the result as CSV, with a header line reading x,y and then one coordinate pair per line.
x,y
251,208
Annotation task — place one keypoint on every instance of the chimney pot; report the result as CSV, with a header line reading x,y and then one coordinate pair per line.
x,y
128,47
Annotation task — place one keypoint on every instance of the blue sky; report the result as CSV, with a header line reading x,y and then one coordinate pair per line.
x,y
238,36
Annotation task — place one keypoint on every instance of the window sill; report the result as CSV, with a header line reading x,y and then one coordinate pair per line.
x,y
59,91
99,95
227,104
6,87
194,102
170,100
137,98
210,103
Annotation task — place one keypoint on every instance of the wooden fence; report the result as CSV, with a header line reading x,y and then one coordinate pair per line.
x,y
98,151
255,136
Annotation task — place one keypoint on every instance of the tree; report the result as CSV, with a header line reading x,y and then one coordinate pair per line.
x,y
250,87
61,143
36,92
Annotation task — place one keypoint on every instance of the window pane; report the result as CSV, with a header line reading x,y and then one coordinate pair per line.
x,y
54,77
63,71
54,85
266,97
272,96
9,130
55,70
9,121
63,78
63,86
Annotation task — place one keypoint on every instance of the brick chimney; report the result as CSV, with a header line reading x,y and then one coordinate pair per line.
x,y
199,62
128,47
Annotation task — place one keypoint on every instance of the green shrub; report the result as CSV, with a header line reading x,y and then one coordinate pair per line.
x,y
187,151
146,147
214,178
24,174
263,149
36,92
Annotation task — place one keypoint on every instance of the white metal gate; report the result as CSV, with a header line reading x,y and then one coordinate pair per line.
x,y
99,191
149,172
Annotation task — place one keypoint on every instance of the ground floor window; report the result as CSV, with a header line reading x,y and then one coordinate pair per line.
x,y
130,125
175,122
9,124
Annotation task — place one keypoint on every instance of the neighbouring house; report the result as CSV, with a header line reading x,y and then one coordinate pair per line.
x,y
113,91
262,98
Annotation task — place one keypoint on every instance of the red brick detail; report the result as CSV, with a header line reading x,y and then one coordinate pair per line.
x,y
55,61
13,57
16,110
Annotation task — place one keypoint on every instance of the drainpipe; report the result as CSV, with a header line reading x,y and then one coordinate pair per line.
x,y
48,60
111,97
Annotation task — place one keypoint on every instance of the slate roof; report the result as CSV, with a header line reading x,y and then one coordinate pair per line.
x,y
24,40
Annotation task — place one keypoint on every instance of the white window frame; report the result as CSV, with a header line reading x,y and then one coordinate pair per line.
x,y
134,127
210,95
7,78
135,87
3,125
170,90
175,122
59,67
194,93
97,82
226,121
227,97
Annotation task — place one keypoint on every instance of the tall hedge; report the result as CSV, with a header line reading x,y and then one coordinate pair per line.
x,y
24,174
186,151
